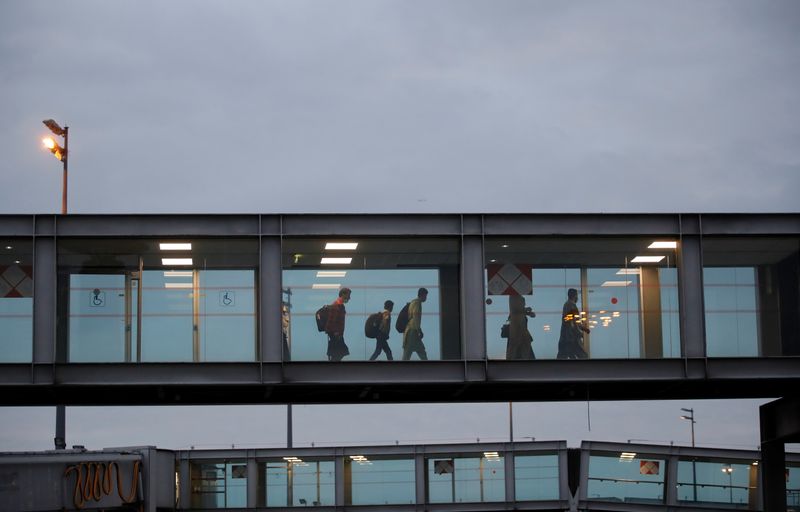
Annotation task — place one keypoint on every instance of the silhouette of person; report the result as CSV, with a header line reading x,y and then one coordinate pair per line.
x,y
412,335
334,327
570,343
382,339
519,337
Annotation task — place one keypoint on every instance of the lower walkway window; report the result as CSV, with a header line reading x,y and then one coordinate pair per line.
x,y
296,482
536,477
379,481
716,482
478,478
219,484
626,477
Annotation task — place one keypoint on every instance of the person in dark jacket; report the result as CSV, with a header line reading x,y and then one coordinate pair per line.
x,y
334,327
570,343
382,339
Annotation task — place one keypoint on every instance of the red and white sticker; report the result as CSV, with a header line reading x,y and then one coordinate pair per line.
x,y
16,281
648,467
509,279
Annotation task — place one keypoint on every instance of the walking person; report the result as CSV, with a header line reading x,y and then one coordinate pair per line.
x,y
412,335
382,336
570,343
334,327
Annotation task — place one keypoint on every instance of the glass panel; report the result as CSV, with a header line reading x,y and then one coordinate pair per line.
x,y
575,298
536,477
793,486
626,478
379,270
466,479
297,483
16,301
380,481
705,481
218,484
139,300
751,296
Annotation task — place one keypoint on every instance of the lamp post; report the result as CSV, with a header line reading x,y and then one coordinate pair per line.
x,y
729,470
62,153
690,417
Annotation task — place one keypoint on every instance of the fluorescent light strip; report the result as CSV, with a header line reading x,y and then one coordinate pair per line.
x,y
178,273
647,259
331,273
616,283
335,261
629,272
176,261
663,244
177,285
341,246
325,286
164,246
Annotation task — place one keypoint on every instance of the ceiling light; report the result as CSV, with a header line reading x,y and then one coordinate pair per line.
x,y
325,286
616,283
17,262
9,247
335,261
492,261
629,272
504,246
331,273
177,285
491,455
176,261
184,246
627,457
663,244
178,273
341,246
647,259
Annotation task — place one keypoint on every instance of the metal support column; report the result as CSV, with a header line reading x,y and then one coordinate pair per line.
x,y
690,282
269,280
473,318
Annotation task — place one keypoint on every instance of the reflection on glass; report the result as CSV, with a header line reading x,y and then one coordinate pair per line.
x,y
751,296
295,482
626,303
120,302
378,270
466,479
219,485
705,481
536,477
16,301
379,481
793,485
626,478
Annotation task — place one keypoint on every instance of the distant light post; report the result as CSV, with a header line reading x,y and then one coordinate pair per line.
x,y
62,153
690,417
729,469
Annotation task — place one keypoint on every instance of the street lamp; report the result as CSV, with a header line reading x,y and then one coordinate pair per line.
x,y
690,417
62,153
729,470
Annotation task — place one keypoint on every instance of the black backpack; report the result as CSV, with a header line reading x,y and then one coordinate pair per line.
x,y
402,319
372,327
322,317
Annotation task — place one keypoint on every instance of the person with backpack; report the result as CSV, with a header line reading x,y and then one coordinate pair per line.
x,y
334,327
412,334
384,322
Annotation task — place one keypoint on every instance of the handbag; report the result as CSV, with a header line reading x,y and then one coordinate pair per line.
x,y
504,330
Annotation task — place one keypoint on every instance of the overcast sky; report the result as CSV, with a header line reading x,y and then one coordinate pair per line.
x,y
382,106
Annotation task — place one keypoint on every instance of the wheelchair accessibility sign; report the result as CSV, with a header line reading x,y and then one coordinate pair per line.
x,y
97,298
227,298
